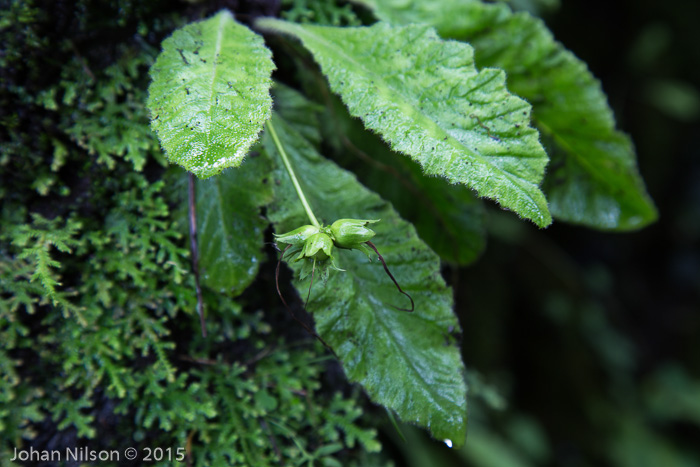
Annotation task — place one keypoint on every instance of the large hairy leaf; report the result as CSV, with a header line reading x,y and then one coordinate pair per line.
x,y
593,178
210,94
449,218
425,97
408,362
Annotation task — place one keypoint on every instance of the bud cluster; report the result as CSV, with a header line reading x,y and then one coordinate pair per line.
x,y
316,243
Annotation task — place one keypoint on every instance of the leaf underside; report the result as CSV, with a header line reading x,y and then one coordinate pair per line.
x,y
408,362
425,97
209,97
593,178
230,227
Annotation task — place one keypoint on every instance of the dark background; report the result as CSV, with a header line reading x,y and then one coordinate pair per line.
x,y
595,335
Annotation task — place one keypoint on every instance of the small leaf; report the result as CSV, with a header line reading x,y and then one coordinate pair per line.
x,y
406,361
230,226
425,97
593,177
210,97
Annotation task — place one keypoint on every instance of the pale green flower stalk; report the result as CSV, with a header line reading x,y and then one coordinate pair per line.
x,y
313,244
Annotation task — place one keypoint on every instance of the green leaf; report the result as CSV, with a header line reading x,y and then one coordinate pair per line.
x,y
210,97
406,361
593,178
230,227
399,81
449,218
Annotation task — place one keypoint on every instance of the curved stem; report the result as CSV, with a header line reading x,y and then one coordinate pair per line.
x,y
292,175
194,251
303,324
386,269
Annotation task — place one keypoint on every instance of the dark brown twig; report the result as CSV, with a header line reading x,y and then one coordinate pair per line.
x,y
188,448
195,253
271,437
277,276
201,361
413,306
308,294
289,310
83,62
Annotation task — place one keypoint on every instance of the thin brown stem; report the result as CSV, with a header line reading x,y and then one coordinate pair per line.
x,y
194,249
188,448
308,294
289,310
413,306
277,278
271,437
82,60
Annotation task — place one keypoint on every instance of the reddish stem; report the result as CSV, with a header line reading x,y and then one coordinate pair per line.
x,y
195,253
413,306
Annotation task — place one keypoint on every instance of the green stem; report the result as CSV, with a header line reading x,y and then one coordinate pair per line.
x,y
292,175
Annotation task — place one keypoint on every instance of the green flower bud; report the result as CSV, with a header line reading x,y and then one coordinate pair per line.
x,y
318,246
297,236
351,233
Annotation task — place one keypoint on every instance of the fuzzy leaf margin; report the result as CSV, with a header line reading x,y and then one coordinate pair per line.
x,y
426,98
209,96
